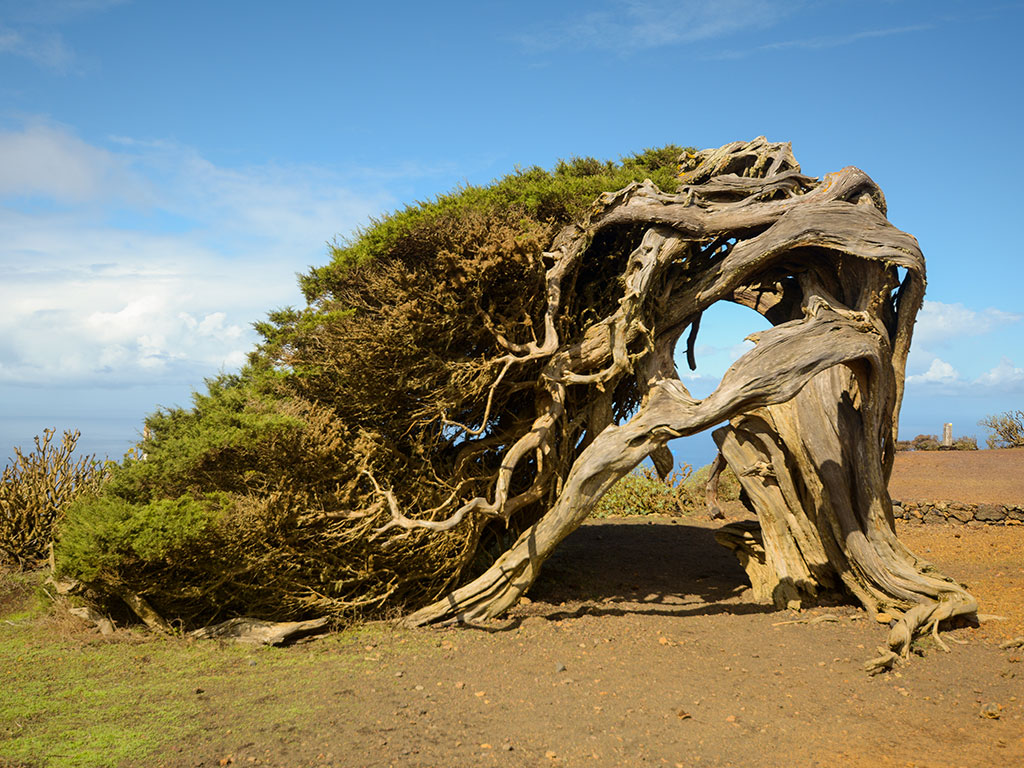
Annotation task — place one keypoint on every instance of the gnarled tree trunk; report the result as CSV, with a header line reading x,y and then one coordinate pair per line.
x,y
811,410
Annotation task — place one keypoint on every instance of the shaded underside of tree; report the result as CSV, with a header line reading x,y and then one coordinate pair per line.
x,y
468,387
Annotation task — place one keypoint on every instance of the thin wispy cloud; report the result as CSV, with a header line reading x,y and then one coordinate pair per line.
x,y
837,41
30,30
824,42
633,25
42,47
42,12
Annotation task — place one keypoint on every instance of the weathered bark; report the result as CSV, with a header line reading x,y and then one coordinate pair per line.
x,y
251,631
812,409
141,607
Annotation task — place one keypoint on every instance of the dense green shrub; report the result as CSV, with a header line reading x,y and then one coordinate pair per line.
x,y
263,498
1007,428
35,491
106,535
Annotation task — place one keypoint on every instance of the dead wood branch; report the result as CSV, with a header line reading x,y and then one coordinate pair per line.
x,y
258,632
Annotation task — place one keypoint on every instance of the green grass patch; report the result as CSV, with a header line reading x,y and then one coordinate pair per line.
x,y
74,700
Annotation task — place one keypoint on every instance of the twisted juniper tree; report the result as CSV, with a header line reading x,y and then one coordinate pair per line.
x,y
812,409
472,377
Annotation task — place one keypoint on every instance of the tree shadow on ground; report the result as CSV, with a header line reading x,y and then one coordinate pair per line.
x,y
620,567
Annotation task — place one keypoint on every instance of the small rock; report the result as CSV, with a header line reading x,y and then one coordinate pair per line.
x,y
560,668
94,618
990,513
990,711
884,618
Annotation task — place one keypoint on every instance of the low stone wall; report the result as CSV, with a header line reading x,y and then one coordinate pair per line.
x,y
959,513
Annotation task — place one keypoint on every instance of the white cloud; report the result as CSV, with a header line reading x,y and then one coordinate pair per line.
x,y
939,372
169,295
944,379
1003,376
64,323
937,322
630,25
45,160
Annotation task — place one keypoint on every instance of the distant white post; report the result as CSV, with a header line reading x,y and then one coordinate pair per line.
x,y
947,435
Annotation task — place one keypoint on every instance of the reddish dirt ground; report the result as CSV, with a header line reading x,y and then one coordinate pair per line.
x,y
640,645
983,477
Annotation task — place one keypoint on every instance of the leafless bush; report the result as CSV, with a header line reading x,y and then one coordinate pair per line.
x,y
1008,428
35,489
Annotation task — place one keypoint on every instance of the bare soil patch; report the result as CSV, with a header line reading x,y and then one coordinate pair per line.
x,y
641,645
982,477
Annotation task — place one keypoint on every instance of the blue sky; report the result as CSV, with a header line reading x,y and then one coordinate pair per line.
x,y
167,168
